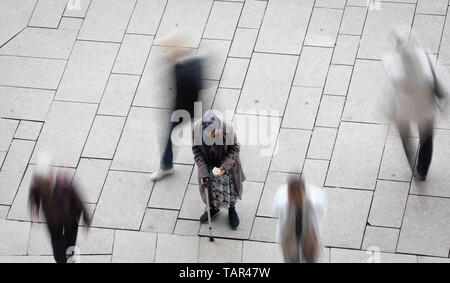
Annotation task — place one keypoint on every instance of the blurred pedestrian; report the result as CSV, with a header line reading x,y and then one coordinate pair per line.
x,y
61,205
216,153
188,83
420,85
300,208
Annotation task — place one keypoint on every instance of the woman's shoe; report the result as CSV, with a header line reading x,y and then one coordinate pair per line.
x,y
213,212
234,218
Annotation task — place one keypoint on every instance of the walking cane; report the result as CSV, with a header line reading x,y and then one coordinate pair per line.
x,y
207,186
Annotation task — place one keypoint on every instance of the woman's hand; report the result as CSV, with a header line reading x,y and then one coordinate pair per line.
x,y
222,171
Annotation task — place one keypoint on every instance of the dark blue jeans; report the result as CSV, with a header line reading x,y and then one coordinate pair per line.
x,y
167,159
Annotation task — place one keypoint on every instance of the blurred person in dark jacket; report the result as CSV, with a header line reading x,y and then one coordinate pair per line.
x,y
61,204
188,83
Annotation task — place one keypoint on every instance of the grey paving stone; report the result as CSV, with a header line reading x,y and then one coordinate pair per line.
x,y
264,229
267,84
133,54
2,157
337,4
169,192
323,27
428,30
77,9
313,67
48,13
426,259
353,20
95,241
31,72
107,20
40,242
87,72
11,181
65,132
234,73
357,156
358,3
315,171
444,54
273,182
338,80
383,238
13,168
252,14
258,252
193,206
187,227
94,259
290,151
123,201
437,178
344,225
223,20
18,156
146,16
302,100
375,39
159,220
44,43
90,176
388,204
368,93
438,7
243,42
14,237
4,211
24,103
195,14
425,229
275,35
394,165
257,144
104,137
246,209
8,129
14,16
226,101
118,95
346,49
322,143
215,52
27,259
330,111
357,256
175,248
229,251
71,24
139,142
134,247
28,130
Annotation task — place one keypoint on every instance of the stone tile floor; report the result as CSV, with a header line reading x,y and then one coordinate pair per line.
x,y
84,80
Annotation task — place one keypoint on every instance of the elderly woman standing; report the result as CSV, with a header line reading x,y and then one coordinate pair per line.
x,y
216,153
